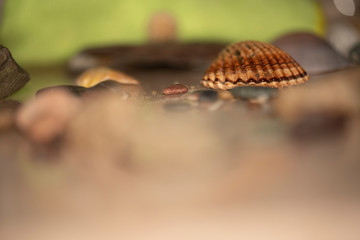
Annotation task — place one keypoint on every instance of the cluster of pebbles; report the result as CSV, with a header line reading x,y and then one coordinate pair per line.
x,y
249,76
254,133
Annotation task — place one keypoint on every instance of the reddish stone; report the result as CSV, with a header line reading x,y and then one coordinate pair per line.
x,y
175,89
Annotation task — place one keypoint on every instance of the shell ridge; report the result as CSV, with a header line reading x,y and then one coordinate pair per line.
x,y
283,70
250,57
258,68
277,71
253,63
240,73
296,70
247,53
265,63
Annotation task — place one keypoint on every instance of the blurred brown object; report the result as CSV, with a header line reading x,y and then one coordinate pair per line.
x,y
73,89
162,28
8,110
312,52
175,89
343,24
44,118
132,58
325,105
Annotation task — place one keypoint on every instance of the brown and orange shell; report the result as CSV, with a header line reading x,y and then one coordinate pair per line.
x,y
253,63
93,76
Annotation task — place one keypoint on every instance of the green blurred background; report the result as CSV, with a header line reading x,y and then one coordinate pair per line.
x,y
39,32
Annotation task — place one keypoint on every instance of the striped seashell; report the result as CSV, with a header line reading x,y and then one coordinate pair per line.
x,y
93,76
253,63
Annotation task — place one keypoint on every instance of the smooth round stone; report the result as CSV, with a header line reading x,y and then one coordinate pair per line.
x,y
175,89
354,54
313,53
253,92
177,106
108,85
73,89
12,76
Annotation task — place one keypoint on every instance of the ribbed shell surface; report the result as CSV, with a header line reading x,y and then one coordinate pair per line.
x,y
253,63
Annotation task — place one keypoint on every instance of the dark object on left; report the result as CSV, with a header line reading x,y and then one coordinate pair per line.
x,y
76,90
12,76
355,54
8,110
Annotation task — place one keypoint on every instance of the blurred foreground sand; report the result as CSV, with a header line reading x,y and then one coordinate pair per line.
x,y
130,170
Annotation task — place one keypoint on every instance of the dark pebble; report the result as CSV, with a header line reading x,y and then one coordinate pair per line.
x,y
253,92
206,95
12,76
354,54
73,89
177,106
175,89
313,53
316,125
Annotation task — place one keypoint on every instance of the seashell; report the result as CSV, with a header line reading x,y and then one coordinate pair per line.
x,y
94,76
253,63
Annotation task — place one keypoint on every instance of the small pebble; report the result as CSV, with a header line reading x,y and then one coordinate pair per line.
x,y
154,93
207,96
12,76
204,96
354,54
73,89
177,106
175,89
253,93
